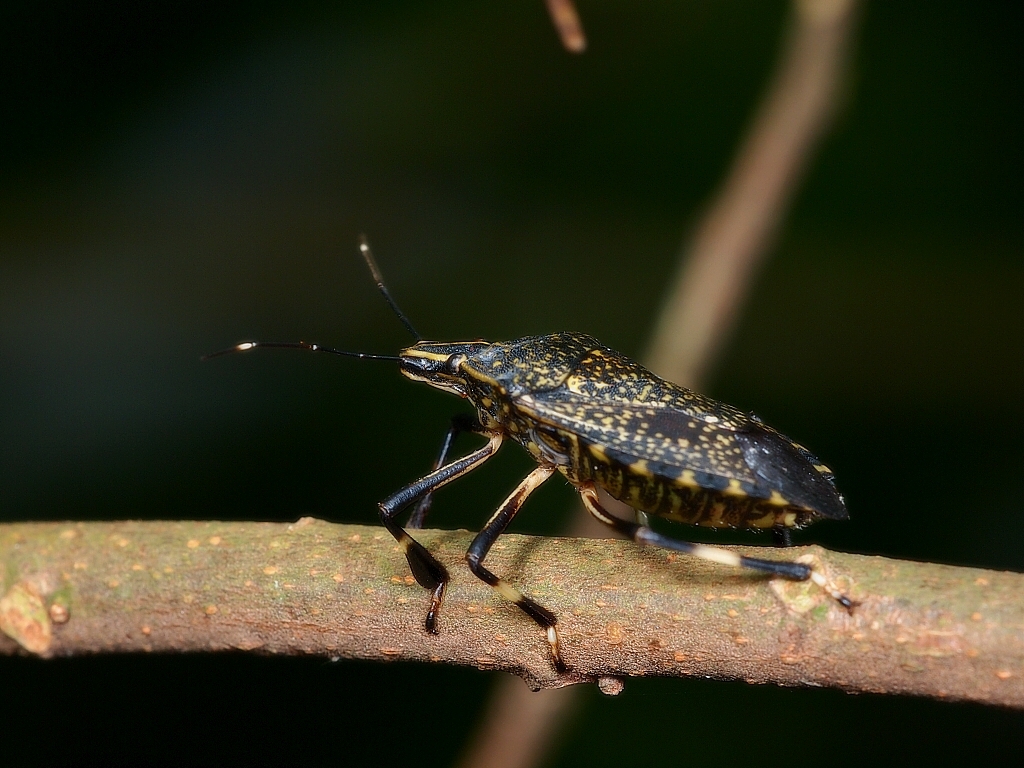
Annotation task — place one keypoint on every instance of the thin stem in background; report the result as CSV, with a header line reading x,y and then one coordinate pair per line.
x,y
568,25
718,264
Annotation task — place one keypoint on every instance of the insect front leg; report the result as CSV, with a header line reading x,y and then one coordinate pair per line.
x,y
460,423
644,535
425,567
485,540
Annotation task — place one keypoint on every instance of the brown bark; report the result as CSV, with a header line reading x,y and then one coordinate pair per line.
x,y
345,591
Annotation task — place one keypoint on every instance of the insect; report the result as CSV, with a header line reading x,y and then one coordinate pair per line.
x,y
601,420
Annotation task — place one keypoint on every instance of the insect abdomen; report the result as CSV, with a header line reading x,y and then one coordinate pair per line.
x,y
676,493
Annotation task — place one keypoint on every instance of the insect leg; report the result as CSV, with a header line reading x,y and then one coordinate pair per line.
x,y
428,571
485,539
461,423
644,535
781,537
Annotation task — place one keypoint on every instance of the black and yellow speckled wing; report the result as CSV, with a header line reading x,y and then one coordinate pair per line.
x,y
630,433
602,374
745,456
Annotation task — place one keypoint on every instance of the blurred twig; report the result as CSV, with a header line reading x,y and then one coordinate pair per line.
x,y
718,264
568,25
721,259
344,591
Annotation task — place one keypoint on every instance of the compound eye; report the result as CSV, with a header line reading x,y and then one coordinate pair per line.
x,y
453,363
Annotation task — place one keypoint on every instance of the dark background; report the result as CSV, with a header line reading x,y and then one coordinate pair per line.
x,y
178,176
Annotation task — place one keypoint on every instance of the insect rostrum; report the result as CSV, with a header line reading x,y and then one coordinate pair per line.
x,y
604,421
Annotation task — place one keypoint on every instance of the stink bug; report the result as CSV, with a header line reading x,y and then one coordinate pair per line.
x,y
602,421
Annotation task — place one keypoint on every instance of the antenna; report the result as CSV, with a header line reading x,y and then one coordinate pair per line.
x,y
364,248
247,345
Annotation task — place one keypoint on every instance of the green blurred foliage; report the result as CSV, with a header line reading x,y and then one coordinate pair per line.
x,y
175,177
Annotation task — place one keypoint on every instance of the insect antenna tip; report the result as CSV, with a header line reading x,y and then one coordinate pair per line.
x,y
378,278
242,347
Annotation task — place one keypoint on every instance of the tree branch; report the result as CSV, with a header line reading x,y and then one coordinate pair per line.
x,y
344,591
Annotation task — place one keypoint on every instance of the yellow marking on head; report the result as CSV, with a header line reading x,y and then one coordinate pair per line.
x,y
497,363
640,468
778,499
487,402
424,355
734,489
789,519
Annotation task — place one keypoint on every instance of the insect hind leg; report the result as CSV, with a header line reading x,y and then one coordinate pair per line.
x,y
644,535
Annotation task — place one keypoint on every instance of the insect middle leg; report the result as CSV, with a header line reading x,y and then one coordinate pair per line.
x,y
485,540
425,567
644,535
